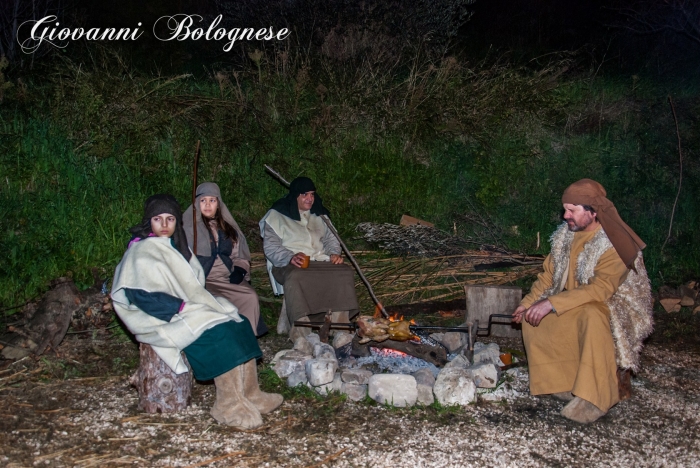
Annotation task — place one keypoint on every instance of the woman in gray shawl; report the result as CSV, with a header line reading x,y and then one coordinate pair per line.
x,y
223,252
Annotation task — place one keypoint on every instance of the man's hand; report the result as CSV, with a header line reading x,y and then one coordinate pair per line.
x,y
336,259
298,259
518,314
538,311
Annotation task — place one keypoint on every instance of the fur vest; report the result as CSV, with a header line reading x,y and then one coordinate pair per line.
x,y
630,307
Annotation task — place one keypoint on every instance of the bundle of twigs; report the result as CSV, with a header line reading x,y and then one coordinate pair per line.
x,y
417,239
417,279
401,280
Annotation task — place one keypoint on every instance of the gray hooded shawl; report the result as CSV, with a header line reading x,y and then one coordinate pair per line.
x,y
210,189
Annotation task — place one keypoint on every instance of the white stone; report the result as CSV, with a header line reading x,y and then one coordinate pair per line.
x,y
355,392
437,336
394,389
356,376
324,351
424,377
460,361
298,377
313,338
321,371
425,395
290,362
484,375
487,355
335,385
303,345
454,341
454,386
342,338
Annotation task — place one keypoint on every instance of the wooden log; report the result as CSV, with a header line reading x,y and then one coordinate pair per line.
x,y
160,389
430,353
45,325
410,221
482,301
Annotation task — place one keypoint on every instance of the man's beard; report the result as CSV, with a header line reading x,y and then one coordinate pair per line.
x,y
578,227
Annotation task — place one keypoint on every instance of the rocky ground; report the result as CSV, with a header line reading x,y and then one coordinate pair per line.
x,y
76,408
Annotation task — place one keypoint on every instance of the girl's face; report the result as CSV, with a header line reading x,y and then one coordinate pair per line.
x,y
208,206
163,225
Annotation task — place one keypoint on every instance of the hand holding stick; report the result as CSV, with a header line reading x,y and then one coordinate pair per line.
x,y
342,244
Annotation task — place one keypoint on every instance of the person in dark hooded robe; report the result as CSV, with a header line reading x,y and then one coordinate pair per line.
x,y
293,230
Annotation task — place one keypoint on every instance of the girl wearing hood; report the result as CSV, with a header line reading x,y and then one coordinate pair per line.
x,y
158,293
223,252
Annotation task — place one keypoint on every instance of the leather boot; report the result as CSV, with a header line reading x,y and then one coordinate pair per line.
x,y
231,407
264,402
581,411
283,324
296,332
341,316
624,384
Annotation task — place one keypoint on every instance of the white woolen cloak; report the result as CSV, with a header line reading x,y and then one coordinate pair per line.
x,y
154,265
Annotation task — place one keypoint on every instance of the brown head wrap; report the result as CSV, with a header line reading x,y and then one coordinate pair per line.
x,y
623,238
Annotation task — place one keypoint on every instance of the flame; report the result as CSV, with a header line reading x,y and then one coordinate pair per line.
x,y
377,311
395,317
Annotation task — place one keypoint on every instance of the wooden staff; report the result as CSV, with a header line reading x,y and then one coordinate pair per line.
x,y
342,244
194,198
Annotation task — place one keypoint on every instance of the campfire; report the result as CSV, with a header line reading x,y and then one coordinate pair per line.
x,y
396,334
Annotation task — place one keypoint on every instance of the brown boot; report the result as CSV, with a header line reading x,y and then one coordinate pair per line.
x,y
231,407
581,411
624,384
264,402
563,396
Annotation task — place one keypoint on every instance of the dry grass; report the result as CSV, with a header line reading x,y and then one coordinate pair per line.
x,y
397,280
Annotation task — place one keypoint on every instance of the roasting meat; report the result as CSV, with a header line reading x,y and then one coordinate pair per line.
x,y
381,329
370,328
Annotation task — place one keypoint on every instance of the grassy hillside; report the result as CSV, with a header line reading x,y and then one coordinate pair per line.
x,y
464,145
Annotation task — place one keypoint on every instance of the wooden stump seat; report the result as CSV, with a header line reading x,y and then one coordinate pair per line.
x,y
160,389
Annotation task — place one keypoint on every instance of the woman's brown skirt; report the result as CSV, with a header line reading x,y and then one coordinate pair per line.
x,y
317,289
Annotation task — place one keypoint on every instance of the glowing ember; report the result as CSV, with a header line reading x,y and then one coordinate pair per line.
x,y
387,352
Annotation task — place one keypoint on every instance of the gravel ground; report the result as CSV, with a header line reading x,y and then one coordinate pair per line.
x,y
49,418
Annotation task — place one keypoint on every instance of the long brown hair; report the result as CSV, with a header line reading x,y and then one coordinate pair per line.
x,y
221,224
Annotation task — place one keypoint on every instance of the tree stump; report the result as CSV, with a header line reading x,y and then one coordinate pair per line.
x,y
160,389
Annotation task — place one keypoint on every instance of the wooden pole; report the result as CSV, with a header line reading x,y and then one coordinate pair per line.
x,y
342,244
680,171
194,198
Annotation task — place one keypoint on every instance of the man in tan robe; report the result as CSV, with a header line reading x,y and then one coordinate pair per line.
x,y
590,309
